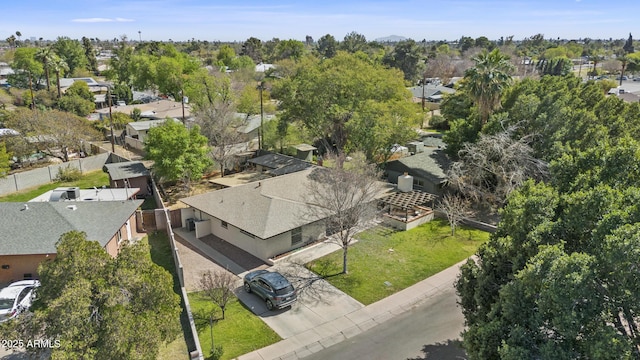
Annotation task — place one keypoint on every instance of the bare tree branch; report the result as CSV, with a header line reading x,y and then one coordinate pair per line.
x,y
345,198
456,209
494,166
220,125
218,286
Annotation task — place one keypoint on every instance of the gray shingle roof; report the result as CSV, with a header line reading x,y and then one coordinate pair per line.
x,y
280,164
126,170
430,90
265,208
431,164
36,229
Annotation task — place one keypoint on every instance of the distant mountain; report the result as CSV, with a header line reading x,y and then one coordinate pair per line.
x,y
391,38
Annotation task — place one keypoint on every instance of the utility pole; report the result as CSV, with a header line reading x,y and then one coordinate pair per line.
x,y
113,145
261,133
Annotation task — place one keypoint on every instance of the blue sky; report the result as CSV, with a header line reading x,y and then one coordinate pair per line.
x,y
227,20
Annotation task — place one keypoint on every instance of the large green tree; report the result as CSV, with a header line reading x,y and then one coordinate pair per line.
x,y
406,56
25,62
487,80
99,307
327,46
326,96
78,99
73,53
178,153
556,279
253,49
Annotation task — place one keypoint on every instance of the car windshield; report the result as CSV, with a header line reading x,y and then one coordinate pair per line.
x,y
284,290
6,304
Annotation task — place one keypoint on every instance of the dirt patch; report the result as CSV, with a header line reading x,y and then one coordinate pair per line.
x,y
171,194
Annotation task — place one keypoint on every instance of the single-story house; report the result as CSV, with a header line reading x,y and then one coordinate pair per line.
x,y
278,164
430,92
154,110
251,127
264,218
94,86
30,230
264,67
129,174
428,169
139,129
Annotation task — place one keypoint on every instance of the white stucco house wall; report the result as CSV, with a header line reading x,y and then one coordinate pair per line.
x,y
265,218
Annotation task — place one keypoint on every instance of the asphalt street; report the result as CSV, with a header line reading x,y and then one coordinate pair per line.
x,y
428,331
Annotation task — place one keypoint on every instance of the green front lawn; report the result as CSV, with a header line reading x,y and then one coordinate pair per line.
x,y
96,178
401,258
239,333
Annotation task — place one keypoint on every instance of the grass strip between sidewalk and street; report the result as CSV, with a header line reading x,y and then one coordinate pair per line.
x,y
385,261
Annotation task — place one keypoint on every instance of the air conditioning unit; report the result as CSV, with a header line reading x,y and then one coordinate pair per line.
x,y
73,193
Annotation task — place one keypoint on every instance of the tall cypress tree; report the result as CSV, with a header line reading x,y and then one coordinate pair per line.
x,y
628,46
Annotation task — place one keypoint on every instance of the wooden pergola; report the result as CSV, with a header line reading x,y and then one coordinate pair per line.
x,y
408,201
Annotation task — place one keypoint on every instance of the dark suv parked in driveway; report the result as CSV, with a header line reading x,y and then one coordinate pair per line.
x,y
272,287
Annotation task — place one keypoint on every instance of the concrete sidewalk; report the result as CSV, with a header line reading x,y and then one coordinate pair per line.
x,y
355,322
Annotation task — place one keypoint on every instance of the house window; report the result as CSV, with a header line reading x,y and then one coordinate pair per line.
x,y
224,224
296,236
418,183
246,233
119,236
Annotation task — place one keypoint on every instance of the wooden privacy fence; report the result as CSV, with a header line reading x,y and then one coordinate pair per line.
x,y
152,220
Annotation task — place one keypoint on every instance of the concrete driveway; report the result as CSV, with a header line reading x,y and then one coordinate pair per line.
x,y
318,303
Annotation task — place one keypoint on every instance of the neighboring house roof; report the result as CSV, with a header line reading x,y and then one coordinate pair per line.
x,y
147,124
160,109
6,71
98,194
305,147
431,164
126,170
280,164
34,228
252,122
264,208
433,141
264,67
430,91
66,82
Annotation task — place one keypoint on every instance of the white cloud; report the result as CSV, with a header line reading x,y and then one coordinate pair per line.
x,y
101,20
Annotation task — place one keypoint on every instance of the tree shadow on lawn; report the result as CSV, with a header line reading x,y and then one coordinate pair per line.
x,y
311,285
447,350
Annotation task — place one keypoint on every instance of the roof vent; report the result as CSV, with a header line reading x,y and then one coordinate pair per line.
x,y
72,207
26,207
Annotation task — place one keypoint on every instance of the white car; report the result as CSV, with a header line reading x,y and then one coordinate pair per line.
x,y
16,298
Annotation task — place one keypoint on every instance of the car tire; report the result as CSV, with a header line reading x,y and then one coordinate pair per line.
x,y
247,287
270,305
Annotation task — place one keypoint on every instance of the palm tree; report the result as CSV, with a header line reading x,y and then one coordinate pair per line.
x,y
487,79
12,41
45,56
59,65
